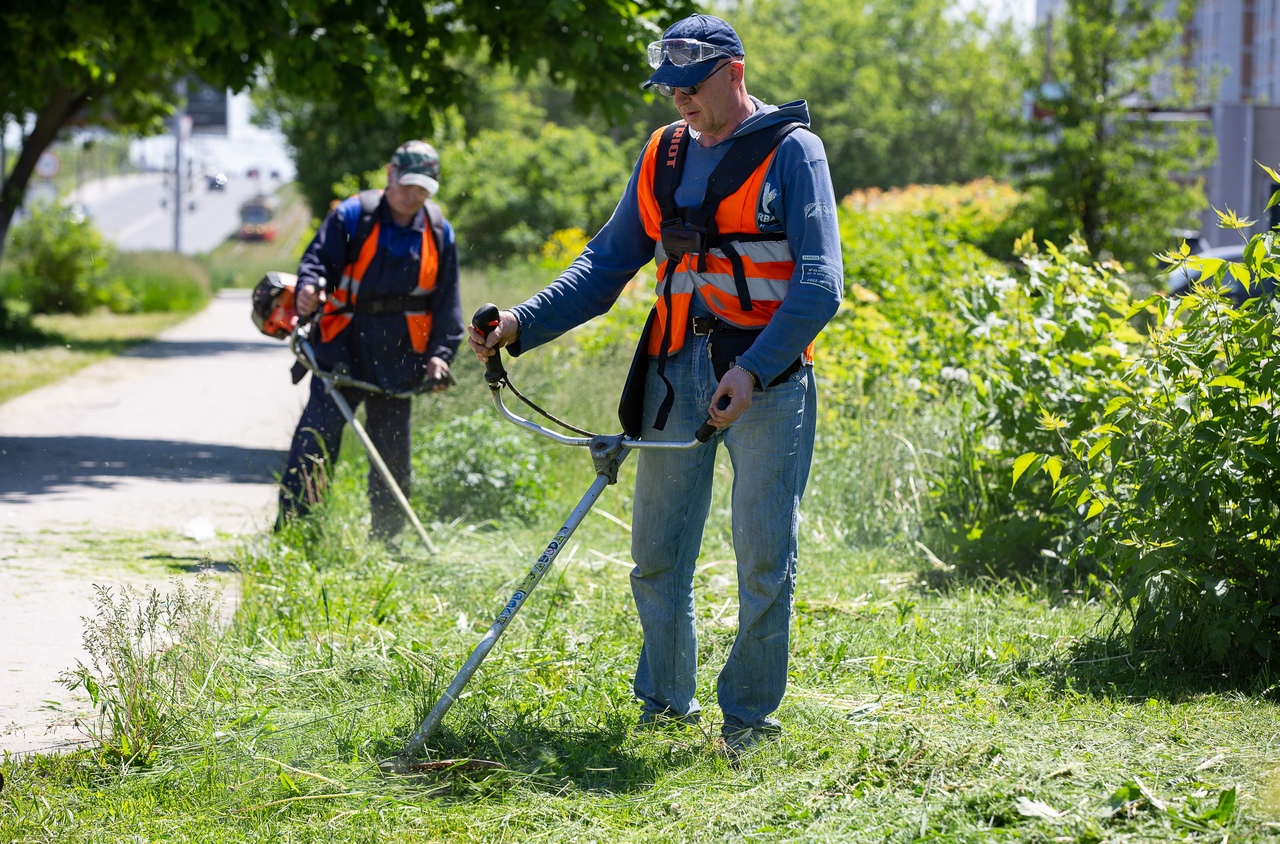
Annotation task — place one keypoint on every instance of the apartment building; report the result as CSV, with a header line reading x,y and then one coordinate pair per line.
x,y
1234,47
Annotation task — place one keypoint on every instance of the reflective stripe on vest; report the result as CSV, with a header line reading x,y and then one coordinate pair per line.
x,y
768,264
341,300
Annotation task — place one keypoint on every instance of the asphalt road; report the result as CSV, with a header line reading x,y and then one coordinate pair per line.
x,y
129,472
136,211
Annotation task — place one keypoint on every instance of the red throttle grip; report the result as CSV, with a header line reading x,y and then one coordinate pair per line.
x,y
707,431
486,321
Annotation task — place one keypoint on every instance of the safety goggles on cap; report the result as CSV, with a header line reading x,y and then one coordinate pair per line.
x,y
683,51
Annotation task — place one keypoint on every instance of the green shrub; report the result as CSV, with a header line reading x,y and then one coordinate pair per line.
x,y
897,355
1178,482
154,282
1059,345
478,467
57,258
508,191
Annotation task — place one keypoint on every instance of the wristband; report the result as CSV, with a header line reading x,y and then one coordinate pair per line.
x,y
755,381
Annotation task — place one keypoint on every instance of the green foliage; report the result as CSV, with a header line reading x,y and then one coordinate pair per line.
x,y
146,658
508,191
1099,163
154,282
58,258
1057,345
478,468
1177,480
905,259
901,93
448,71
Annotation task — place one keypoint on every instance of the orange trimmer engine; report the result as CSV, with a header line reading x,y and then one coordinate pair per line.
x,y
273,310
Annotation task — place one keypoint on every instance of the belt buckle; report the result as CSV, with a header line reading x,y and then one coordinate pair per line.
x,y
701,326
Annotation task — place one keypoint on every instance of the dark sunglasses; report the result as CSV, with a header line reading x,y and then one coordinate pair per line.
x,y
690,90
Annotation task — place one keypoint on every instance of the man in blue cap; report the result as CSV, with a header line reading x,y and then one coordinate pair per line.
x,y
735,204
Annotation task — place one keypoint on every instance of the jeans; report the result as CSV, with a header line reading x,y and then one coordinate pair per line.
x,y
771,447
318,438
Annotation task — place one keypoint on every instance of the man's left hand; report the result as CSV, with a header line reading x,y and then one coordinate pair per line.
x,y
737,384
438,374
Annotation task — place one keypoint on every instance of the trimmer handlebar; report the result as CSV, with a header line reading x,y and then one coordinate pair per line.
x,y
300,345
486,320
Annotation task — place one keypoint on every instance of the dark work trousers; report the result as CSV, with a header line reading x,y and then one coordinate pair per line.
x,y
318,438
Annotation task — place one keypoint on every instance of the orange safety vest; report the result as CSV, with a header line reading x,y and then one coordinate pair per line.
x,y
341,302
743,275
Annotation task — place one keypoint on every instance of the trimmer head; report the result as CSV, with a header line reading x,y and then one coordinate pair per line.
x,y
273,310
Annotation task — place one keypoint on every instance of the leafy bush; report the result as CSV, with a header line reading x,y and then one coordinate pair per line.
x,y
1059,344
57,258
898,353
1178,480
508,191
154,282
905,258
478,467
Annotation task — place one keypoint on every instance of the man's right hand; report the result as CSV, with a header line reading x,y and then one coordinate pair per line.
x,y
307,299
504,335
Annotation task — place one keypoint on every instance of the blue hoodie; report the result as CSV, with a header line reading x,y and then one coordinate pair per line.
x,y
797,199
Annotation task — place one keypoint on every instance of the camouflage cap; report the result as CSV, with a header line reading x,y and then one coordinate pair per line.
x,y
417,163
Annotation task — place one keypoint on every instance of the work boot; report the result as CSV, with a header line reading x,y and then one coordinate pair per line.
x,y
667,719
734,744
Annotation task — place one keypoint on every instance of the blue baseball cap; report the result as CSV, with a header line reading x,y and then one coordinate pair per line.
x,y
690,49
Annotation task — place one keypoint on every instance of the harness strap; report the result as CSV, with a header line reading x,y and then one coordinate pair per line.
x,y
739,163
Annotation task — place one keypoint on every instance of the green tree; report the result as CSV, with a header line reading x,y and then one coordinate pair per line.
x,y
117,63
901,93
509,190
1112,155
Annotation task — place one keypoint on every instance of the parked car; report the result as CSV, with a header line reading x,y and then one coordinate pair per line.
x,y
1178,281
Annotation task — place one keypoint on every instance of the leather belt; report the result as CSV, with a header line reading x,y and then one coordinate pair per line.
x,y
702,326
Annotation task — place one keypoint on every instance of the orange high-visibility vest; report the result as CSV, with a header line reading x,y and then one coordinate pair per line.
x,y
742,276
341,301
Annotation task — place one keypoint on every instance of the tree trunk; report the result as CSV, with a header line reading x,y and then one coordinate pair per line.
x,y
57,112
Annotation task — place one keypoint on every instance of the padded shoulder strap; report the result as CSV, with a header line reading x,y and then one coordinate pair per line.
x,y
742,159
369,200
672,147
435,218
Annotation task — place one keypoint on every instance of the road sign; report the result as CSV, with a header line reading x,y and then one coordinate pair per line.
x,y
47,165
207,107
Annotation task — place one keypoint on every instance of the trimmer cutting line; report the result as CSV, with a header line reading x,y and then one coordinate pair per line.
x,y
607,453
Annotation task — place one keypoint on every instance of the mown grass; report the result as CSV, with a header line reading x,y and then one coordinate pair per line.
x,y
920,706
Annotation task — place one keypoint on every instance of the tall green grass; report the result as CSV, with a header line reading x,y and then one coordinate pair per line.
x,y
155,282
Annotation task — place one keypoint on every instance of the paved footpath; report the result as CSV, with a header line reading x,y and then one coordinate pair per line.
x,y
132,471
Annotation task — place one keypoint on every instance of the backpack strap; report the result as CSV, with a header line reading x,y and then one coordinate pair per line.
x,y
369,201
742,159
435,218
672,147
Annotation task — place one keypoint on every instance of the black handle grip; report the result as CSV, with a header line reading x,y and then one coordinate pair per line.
x,y
486,321
707,431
